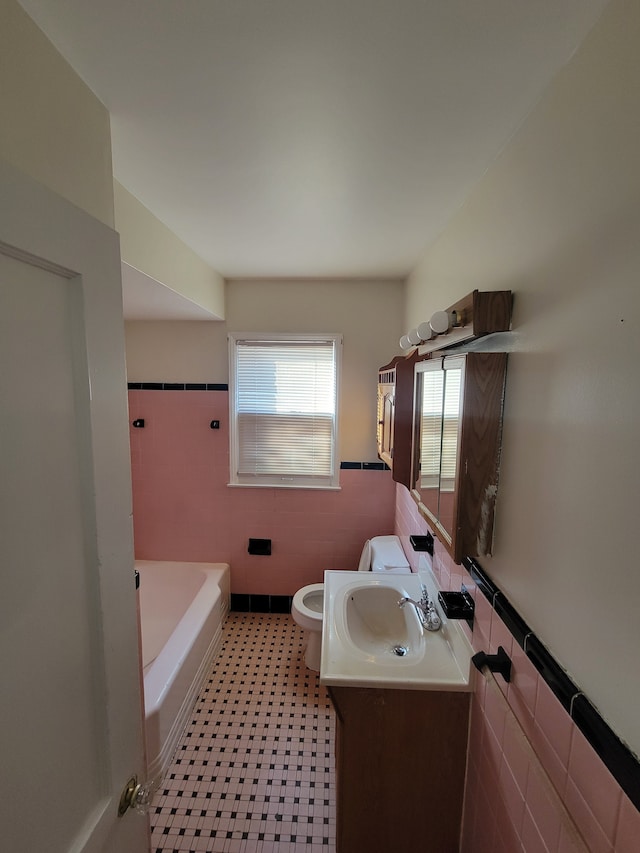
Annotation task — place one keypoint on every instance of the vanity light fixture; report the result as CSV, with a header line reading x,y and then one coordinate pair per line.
x,y
476,315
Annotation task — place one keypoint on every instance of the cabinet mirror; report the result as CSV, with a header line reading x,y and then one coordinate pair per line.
x,y
449,460
428,447
438,411
456,447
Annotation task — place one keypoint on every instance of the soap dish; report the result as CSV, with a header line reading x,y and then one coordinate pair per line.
x,y
457,605
422,543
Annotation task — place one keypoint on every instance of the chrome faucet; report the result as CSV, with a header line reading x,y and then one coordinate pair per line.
x,y
426,610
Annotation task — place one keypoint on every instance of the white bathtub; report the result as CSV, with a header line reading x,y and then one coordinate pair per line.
x,y
182,609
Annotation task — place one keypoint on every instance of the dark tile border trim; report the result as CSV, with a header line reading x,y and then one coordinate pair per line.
x,y
244,603
512,619
482,581
364,466
177,386
621,762
557,679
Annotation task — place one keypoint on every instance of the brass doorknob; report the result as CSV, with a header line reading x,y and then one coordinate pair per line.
x,y
136,795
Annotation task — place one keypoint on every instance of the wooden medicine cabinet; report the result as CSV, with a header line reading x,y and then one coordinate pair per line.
x,y
395,416
457,425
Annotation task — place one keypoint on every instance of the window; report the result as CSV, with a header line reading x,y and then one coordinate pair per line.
x,y
283,399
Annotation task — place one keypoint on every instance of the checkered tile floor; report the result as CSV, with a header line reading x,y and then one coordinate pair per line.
x,y
254,770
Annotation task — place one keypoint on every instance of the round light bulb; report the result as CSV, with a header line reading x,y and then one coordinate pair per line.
x,y
425,331
439,322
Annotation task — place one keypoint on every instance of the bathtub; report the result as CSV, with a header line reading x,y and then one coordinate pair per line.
x,y
182,609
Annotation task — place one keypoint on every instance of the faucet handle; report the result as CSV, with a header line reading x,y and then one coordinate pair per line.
x,y
432,620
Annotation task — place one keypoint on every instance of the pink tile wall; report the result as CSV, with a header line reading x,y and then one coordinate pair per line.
x,y
510,806
183,508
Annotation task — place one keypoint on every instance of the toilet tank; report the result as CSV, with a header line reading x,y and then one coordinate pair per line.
x,y
387,555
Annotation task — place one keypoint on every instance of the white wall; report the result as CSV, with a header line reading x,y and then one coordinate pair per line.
x,y
53,127
148,245
57,131
557,220
367,313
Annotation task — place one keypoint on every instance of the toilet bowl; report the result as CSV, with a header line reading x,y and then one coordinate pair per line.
x,y
380,554
306,609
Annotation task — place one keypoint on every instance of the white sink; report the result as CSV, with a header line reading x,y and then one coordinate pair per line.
x,y
377,625
369,641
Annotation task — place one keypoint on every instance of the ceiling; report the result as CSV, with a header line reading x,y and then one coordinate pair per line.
x,y
311,138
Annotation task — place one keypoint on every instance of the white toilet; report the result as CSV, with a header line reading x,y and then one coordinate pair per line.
x,y
380,554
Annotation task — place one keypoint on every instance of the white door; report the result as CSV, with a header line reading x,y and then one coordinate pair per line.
x,y
70,707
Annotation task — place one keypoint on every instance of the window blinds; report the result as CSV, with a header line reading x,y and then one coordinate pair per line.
x,y
285,403
450,429
440,424
431,428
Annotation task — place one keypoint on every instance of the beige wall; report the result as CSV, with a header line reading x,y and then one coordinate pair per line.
x,y
367,313
148,245
176,351
557,219
53,127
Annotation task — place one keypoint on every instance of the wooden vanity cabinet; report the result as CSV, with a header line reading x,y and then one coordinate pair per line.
x,y
395,416
400,769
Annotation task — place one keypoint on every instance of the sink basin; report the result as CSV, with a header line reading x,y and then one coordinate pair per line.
x,y
378,626
369,641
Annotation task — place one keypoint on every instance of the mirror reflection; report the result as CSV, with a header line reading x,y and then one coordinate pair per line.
x,y
428,474
439,384
449,456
